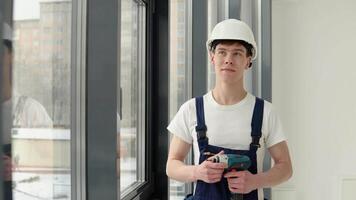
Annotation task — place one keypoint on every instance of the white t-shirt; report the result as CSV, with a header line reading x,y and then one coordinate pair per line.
x,y
228,126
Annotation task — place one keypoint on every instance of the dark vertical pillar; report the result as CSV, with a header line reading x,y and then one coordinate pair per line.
x,y
199,51
160,83
235,9
102,65
266,68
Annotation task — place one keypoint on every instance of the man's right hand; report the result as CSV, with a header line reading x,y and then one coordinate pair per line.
x,y
209,172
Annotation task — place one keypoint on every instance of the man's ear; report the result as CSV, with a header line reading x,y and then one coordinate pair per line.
x,y
249,63
211,57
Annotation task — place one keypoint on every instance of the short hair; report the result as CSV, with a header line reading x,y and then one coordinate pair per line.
x,y
247,46
8,44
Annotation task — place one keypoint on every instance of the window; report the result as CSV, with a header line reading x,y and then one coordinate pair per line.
x,y
132,95
36,112
179,75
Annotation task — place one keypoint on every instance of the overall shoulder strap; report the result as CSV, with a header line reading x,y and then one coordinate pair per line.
x,y
203,141
256,124
199,105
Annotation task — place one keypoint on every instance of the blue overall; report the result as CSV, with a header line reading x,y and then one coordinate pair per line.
x,y
220,190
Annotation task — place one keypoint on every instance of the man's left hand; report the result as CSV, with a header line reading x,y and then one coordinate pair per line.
x,y
241,182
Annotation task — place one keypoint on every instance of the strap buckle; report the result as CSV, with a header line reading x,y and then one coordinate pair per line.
x,y
255,145
201,131
201,135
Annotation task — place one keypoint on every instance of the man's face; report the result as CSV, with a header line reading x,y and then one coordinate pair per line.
x,y
230,61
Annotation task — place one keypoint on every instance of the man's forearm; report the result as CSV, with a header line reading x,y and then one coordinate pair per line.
x,y
277,174
179,171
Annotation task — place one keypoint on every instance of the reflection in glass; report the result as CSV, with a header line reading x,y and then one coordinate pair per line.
x,y
38,101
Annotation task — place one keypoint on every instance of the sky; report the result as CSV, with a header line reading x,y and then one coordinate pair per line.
x,y
26,9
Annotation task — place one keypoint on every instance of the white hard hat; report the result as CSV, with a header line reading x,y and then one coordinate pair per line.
x,y
233,29
6,32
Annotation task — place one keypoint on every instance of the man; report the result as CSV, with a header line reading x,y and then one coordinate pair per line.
x,y
228,120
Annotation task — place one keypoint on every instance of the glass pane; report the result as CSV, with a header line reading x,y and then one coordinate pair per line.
x,y
178,70
38,101
129,83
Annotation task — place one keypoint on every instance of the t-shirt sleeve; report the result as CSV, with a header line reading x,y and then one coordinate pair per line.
x,y
179,126
275,129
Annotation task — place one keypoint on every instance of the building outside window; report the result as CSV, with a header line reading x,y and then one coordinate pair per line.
x,y
36,113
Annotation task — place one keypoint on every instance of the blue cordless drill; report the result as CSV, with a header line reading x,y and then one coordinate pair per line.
x,y
233,161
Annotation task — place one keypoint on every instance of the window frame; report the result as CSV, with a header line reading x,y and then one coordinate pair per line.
x,y
141,172
144,188
78,102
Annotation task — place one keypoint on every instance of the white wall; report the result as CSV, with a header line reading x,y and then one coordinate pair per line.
x,y
314,90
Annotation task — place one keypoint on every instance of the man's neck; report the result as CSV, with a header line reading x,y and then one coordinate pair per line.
x,y
225,94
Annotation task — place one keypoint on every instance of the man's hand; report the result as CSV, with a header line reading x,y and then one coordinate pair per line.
x,y
209,172
241,182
